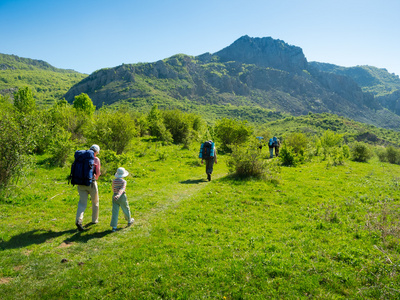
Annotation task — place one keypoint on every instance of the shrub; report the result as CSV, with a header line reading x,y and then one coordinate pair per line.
x,y
16,143
298,141
360,152
60,147
111,161
231,132
382,154
393,155
83,103
329,140
247,161
114,130
287,156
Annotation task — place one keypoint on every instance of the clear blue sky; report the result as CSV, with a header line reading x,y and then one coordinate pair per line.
x,y
87,35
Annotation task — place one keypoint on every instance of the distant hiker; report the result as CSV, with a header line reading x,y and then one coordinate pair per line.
x,y
277,144
271,146
119,199
84,172
209,154
260,138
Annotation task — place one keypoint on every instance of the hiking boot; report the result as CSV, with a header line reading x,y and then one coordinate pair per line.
x,y
80,227
209,177
131,222
114,229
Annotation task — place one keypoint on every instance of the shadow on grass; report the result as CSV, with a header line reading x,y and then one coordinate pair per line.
x,y
39,236
193,181
33,237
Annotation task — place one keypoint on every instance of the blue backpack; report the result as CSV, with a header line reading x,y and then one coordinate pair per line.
x,y
271,143
82,170
206,150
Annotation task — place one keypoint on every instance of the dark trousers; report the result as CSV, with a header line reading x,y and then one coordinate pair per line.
x,y
209,165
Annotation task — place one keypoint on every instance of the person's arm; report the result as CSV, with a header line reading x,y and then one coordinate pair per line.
x,y
96,168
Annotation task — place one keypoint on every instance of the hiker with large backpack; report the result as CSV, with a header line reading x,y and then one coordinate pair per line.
x,y
271,146
84,173
209,154
277,144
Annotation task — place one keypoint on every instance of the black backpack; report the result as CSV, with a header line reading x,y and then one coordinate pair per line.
x,y
82,169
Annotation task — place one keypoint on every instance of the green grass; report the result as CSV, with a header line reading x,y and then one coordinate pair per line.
x,y
319,232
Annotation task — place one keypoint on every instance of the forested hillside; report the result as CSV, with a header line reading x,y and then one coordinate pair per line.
x,y
48,83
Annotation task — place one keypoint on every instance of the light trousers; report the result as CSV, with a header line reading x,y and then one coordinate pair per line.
x,y
123,203
84,192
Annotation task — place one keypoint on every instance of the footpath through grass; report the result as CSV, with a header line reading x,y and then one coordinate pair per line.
x,y
320,232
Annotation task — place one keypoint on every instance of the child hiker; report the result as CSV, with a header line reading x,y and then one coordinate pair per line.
x,y
119,199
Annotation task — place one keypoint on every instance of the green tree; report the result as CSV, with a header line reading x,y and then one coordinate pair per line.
x,y
231,132
84,103
298,141
114,130
157,127
360,152
16,143
329,140
24,101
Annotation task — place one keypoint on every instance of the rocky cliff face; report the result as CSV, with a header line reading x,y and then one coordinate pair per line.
x,y
391,101
264,52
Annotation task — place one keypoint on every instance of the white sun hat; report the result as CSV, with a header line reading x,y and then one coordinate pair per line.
x,y
95,148
121,172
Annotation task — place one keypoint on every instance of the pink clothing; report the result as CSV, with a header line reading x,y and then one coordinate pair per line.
x,y
96,167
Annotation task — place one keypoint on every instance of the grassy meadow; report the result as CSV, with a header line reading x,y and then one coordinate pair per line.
x,y
314,232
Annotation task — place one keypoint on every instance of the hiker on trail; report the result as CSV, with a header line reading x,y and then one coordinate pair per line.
x,y
119,199
209,154
260,146
277,144
271,147
85,190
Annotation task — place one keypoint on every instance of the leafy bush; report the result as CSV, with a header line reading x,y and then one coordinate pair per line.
x,y
84,103
231,132
360,152
247,161
287,156
393,155
329,140
157,127
298,141
111,161
113,129
24,101
60,147
16,142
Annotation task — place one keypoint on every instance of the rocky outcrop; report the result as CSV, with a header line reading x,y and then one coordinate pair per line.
x,y
264,52
391,102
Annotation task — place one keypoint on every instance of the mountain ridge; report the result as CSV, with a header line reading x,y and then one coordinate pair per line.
x,y
269,75
260,72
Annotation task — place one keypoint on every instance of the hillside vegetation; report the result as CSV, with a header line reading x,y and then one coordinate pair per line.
x,y
264,73
319,221
48,83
